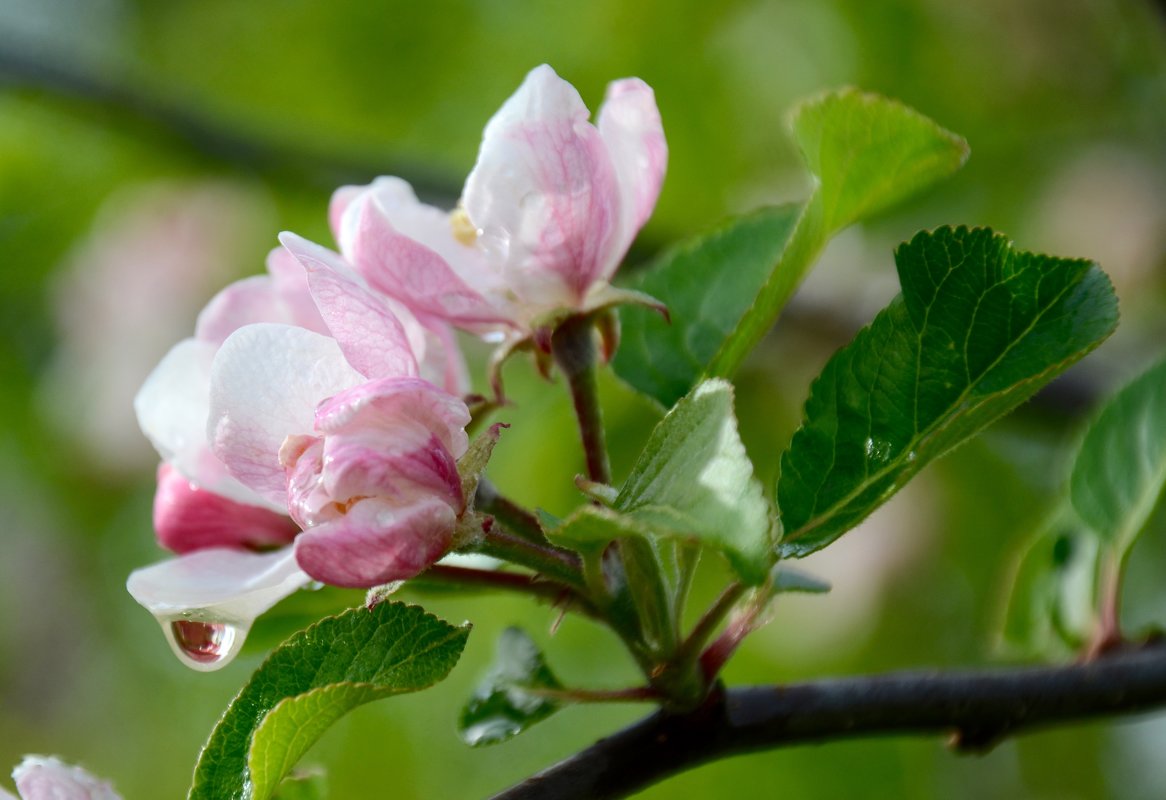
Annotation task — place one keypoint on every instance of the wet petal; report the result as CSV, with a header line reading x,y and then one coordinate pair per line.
x,y
230,585
188,517
266,382
49,778
376,543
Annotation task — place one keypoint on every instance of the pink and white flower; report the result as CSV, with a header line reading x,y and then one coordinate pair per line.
x,y
254,452
48,778
546,215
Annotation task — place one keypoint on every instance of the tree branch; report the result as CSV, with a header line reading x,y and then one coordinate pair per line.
x,y
977,708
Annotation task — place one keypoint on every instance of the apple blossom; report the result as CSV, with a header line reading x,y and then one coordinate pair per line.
x,y
545,218
222,406
48,778
367,468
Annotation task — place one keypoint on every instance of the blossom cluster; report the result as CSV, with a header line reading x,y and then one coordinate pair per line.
x,y
311,428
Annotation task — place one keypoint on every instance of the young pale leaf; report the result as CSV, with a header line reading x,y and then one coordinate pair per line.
x,y
313,679
707,283
1120,469
504,706
978,328
1052,596
866,153
694,479
309,784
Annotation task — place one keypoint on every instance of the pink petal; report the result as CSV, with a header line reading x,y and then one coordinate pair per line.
x,y
48,778
398,466
396,263
373,340
388,403
376,543
544,193
266,382
629,123
280,296
188,518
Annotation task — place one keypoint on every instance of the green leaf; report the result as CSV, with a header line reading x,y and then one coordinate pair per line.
x,y
503,705
979,327
693,480
313,679
866,153
1053,591
787,579
708,283
1120,469
725,289
310,784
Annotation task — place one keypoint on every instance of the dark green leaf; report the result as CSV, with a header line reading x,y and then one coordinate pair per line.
x,y
707,283
1120,470
503,705
309,682
978,328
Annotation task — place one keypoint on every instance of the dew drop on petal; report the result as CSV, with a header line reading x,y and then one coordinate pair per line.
x,y
203,645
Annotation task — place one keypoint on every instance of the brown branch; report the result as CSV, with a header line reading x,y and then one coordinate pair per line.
x,y
976,708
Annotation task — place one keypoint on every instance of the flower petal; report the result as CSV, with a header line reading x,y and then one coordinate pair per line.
x,y
544,193
233,586
188,517
391,402
49,778
266,382
372,338
629,123
376,542
407,250
399,466
280,296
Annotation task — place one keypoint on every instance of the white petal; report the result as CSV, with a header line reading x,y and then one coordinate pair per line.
x,y
232,585
173,406
49,778
265,384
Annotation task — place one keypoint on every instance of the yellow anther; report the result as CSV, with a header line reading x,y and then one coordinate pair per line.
x,y
463,229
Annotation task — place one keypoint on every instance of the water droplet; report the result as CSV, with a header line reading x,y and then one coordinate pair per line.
x,y
203,645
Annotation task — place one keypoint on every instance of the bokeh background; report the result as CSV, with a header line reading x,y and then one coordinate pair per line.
x,y
149,153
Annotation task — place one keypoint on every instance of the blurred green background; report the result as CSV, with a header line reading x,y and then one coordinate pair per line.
x,y
149,152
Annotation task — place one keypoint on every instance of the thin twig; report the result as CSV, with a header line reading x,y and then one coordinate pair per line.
x,y
976,708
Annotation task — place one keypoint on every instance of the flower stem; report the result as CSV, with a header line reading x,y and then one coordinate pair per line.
x,y
532,585
707,625
573,346
516,519
546,559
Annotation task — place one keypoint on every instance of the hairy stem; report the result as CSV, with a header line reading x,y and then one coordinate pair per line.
x,y
976,709
553,592
516,519
546,559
